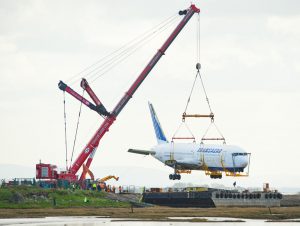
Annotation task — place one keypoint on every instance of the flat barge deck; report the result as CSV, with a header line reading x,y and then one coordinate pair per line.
x,y
210,198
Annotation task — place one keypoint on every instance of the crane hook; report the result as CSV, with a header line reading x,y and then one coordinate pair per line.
x,y
198,66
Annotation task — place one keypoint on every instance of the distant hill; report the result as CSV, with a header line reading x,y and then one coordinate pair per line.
x,y
9,171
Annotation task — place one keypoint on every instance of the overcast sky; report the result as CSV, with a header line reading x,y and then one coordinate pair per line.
x,y
249,52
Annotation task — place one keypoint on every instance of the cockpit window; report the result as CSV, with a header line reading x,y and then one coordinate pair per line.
x,y
236,154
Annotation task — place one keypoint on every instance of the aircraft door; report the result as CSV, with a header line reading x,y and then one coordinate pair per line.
x,y
223,162
170,156
201,157
201,160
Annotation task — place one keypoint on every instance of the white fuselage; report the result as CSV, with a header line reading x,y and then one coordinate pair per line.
x,y
193,156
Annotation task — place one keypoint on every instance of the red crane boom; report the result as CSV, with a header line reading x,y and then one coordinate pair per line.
x,y
89,150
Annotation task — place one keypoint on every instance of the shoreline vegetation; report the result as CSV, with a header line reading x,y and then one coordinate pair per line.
x,y
34,202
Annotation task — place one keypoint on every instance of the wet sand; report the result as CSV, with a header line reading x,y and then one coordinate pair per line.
x,y
156,213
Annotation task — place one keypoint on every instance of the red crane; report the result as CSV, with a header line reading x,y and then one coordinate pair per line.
x,y
48,171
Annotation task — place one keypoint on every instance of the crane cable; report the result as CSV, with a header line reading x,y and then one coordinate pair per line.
x,y
76,131
65,122
198,67
204,90
198,74
213,123
193,86
111,57
189,99
111,63
188,129
77,126
198,39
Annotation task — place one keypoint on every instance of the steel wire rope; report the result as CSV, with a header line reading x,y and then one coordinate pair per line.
x,y
189,98
125,51
204,90
65,122
146,61
206,132
144,44
92,127
219,132
186,126
202,83
99,73
78,75
77,126
198,66
114,52
198,39
198,73
197,60
213,123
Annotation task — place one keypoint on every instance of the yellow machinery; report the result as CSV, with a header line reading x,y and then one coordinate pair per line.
x,y
107,178
102,184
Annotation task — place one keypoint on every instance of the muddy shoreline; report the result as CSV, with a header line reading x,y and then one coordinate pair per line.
x,y
157,213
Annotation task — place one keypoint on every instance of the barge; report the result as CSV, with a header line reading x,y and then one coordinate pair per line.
x,y
210,198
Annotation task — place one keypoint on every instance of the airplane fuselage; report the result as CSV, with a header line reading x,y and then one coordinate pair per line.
x,y
195,156
182,157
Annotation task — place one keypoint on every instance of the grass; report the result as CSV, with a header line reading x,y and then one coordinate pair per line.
x,y
25,201
23,197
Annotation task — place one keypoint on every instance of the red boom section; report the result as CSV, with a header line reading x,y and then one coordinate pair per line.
x,y
90,149
64,87
85,85
189,13
99,106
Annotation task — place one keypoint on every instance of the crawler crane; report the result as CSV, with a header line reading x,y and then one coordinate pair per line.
x,y
85,158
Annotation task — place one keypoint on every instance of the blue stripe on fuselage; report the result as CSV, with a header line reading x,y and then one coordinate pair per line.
x,y
209,150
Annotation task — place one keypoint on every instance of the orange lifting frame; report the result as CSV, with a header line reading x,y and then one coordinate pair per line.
x,y
184,171
213,139
183,138
184,115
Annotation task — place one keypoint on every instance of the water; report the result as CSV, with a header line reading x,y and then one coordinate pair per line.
x,y
102,221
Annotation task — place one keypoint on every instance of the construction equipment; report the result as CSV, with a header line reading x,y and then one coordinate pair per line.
x,y
48,171
108,178
101,183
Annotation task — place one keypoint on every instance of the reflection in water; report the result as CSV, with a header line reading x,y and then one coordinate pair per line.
x,y
102,221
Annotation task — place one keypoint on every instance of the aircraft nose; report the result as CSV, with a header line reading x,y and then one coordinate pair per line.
x,y
242,161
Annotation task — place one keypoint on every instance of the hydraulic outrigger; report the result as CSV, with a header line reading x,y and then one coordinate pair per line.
x,y
89,150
